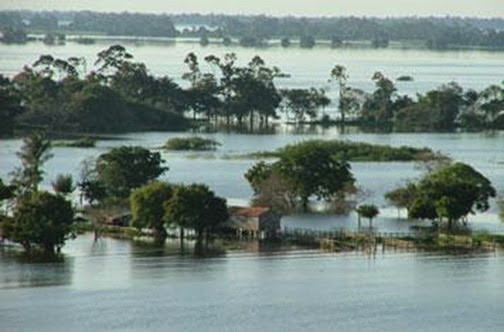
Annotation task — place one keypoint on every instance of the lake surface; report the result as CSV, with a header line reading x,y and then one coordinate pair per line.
x,y
114,286
225,175
117,285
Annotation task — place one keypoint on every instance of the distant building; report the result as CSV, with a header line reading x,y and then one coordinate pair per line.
x,y
122,220
254,221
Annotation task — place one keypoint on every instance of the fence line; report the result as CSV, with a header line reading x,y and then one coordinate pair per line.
x,y
311,233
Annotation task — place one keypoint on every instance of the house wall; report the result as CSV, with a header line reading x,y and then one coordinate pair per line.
x,y
269,222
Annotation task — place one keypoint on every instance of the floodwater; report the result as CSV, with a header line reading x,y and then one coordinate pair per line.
x,y
114,286
117,285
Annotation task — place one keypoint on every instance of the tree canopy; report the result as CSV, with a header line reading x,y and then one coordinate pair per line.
x,y
311,169
40,219
128,167
197,207
449,194
147,207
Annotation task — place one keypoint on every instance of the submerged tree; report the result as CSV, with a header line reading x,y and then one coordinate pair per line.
x,y
196,207
450,194
304,103
402,197
34,153
147,208
310,169
40,219
368,211
339,75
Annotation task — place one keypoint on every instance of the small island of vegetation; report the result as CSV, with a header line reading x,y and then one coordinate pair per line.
x,y
356,151
194,143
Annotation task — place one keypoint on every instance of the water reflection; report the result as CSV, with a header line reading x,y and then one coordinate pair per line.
x,y
18,270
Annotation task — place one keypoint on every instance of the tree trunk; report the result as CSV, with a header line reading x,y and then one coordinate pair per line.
x,y
182,238
251,120
305,203
160,235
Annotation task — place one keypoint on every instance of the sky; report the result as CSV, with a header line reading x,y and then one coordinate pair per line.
x,y
481,8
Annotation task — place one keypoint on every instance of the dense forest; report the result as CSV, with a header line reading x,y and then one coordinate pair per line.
x,y
431,32
119,94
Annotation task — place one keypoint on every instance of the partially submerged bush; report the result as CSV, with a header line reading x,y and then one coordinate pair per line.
x,y
85,142
356,151
194,143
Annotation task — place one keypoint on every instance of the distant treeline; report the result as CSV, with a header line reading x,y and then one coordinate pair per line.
x,y
119,94
431,32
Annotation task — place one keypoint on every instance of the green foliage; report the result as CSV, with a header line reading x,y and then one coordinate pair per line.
x,y
147,206
314,170
368,211
92,190
10,106
34,153
501,210
339,75
451,193
310,169
6,191
304,102
359,152
194,143
378,109
307,41
285,42
13,35
196,207
85,142
63,184
125,168
405,78
402,197
40,219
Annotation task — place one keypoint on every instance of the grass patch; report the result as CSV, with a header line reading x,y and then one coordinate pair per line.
x,y
354,151
85,142
194,143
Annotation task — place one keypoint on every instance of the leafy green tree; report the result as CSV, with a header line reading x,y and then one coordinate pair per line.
x,y
204,41
226,41
307,41
492,105
285,42
310,169
63,184
13,35
7,192
402,197
125,168
451,193
304,102
379,108
40,219
34,153
368,211
314,170
258,173
441,106
339,75
92,190
204,90
10,106
196,207
147,207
